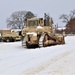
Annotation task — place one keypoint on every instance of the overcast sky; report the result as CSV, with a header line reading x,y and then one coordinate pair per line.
x,y
54,7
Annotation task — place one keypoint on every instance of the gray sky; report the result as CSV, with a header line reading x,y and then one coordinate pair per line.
x,y
54,7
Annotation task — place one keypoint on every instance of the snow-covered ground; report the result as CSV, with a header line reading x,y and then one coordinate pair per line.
x,y
54,60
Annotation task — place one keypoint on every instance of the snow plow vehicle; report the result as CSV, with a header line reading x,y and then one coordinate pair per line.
x,y
10,35
39,33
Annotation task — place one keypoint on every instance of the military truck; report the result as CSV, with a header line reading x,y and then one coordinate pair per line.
x,y
10,35
39,32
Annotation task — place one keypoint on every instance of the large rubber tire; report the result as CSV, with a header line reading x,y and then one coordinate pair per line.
x,y
11,39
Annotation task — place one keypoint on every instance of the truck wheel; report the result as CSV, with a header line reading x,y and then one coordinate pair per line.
x,y
11,39
7,40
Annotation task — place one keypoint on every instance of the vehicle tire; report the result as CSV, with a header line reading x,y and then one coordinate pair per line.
x,y
7,40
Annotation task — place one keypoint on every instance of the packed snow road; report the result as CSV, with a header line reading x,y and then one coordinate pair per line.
x,y
54,60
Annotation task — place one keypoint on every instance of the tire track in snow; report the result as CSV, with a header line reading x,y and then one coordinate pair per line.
x,y
42,66
64,66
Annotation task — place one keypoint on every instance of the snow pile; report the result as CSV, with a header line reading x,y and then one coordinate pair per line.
x,y
61,28
31,33
15,30
54,60
39,27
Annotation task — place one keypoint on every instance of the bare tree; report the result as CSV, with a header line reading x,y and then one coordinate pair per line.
x,y
70,22
29,15
67,18
17,19
72,14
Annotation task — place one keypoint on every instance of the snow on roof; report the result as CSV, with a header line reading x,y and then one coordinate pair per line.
x,y
15,30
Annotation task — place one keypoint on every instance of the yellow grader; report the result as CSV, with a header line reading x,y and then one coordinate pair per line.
x,y
10,35
39,32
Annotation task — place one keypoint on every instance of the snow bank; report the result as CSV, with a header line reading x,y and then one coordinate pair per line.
x,y
54,60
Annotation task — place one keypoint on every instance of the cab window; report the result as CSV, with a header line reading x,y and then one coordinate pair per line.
x,y
33,23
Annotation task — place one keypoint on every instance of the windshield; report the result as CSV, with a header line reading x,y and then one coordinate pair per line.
x,y
33,23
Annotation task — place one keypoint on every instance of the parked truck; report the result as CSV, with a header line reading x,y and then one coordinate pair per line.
x,y
10,35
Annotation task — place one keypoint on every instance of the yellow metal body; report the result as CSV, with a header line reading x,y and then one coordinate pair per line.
x,y
8,35
36,28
